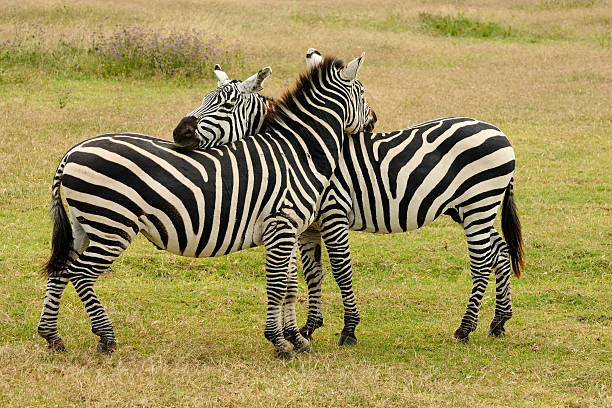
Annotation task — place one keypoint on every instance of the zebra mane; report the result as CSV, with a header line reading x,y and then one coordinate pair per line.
x,y
305,82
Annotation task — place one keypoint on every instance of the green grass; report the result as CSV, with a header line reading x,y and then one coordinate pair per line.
x,y
462,26
191,331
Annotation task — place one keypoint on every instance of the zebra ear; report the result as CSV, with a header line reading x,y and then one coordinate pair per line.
x,y
221,76
313,58
349,72
253,83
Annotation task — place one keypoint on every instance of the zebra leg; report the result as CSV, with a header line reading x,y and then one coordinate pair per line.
x,y
47,326
279,239
84,272
335,236
290,329
310,249
479,246
503,302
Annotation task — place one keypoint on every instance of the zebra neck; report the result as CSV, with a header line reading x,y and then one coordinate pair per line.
x,y
313,140
257,111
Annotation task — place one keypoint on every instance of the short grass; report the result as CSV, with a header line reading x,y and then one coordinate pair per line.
x,y
190,331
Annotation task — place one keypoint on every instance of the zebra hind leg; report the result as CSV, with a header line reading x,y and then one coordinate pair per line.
x,y
310,249
290,330
84,271
479,246
503,303
47,326
337,243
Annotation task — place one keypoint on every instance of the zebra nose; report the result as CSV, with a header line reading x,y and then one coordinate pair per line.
x,y
184,134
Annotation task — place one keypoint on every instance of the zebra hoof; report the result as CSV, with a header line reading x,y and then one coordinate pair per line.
x,y
347,340
283,355
497,330
497,333
306,333
57,346
497,326
305,348
462,336
106,347
301,345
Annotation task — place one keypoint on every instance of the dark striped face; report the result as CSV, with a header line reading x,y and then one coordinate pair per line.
x,y
228,113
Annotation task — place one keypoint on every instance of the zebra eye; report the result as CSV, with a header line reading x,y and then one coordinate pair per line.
x,y
228,105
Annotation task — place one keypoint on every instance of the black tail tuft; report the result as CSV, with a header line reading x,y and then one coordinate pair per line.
x,y
61,241
511,228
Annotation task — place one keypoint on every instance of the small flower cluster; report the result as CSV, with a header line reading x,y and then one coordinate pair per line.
x,y
139,51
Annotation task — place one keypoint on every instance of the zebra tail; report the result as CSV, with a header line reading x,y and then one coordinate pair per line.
x,y
511,228
61,240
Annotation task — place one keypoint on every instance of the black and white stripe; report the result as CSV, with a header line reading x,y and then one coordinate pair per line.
x,y
400,181
261,190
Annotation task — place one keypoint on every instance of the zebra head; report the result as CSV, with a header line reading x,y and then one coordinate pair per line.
x,y
229,113
361,117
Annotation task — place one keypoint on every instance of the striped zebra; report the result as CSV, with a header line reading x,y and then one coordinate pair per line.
x,y
245,101
261,190
403,180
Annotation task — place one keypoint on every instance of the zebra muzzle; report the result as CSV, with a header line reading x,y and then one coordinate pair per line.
x,y
185,133
369,127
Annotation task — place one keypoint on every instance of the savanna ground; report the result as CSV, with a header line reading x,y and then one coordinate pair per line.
x,y
191,331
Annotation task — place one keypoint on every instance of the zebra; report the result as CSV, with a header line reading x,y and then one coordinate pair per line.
x,y
189,202
403,180
243,96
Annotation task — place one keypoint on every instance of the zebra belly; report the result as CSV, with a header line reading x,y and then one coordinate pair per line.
x,y
251,238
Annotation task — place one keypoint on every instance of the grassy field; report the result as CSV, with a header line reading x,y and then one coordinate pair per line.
x,y
191,331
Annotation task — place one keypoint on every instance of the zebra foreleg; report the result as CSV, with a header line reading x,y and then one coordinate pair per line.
x,y
503,302
47,326
290,330
479,246
279,238
337,243
310,249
